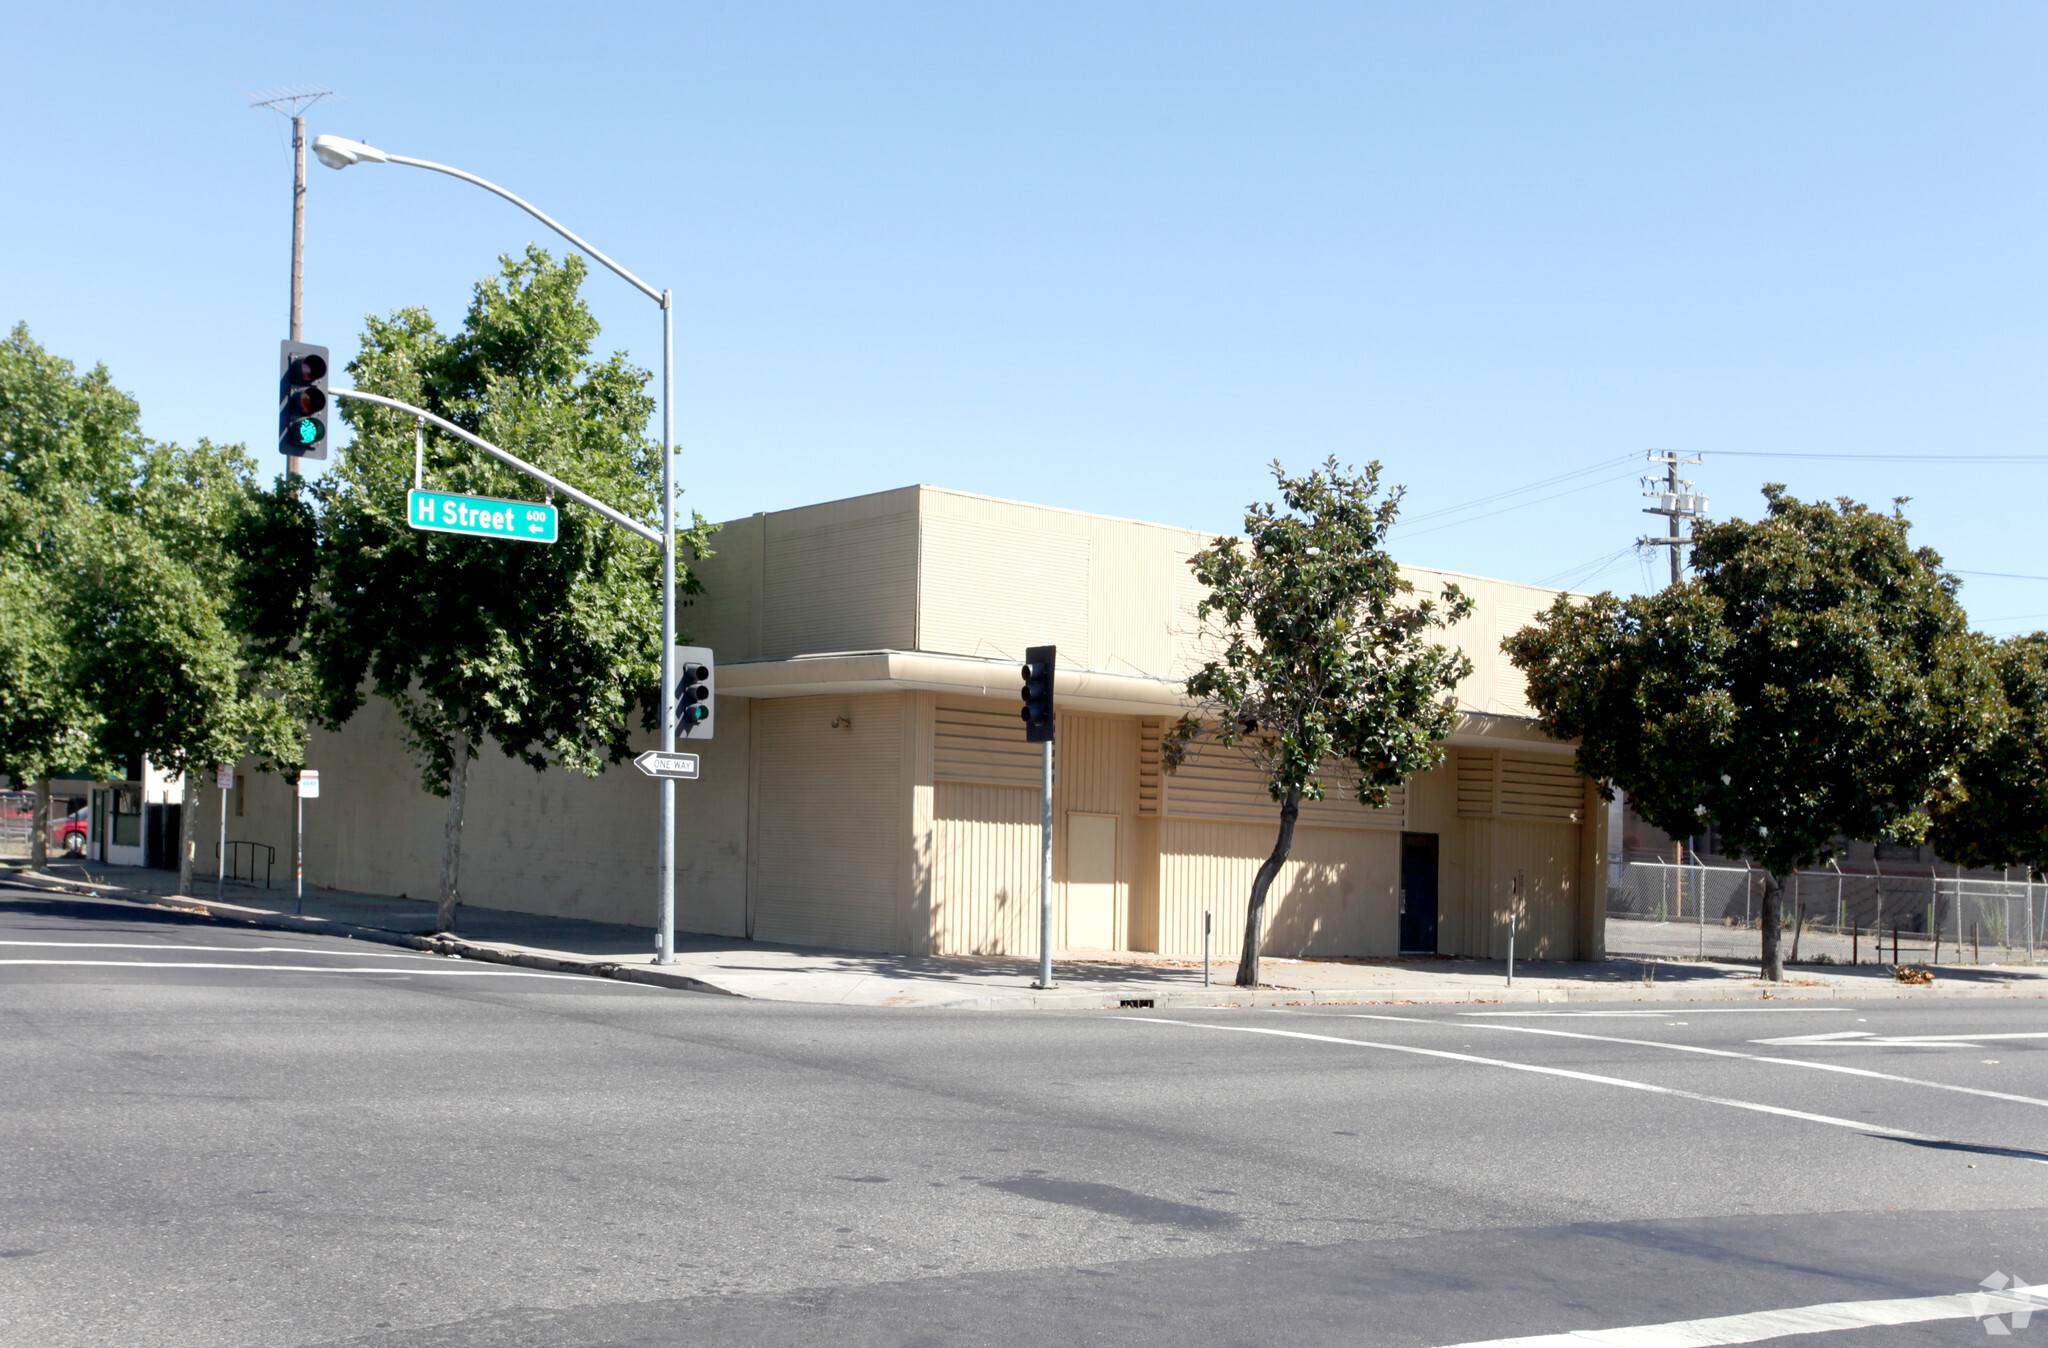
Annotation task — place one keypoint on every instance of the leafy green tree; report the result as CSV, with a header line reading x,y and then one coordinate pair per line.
x,y
1325,665
115,570
67,446
543,650
1814,680
1999,814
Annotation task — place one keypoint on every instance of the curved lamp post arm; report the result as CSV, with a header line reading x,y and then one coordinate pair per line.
x,y
626,522
340,152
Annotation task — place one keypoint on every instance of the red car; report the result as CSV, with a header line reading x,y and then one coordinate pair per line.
x,y
68,833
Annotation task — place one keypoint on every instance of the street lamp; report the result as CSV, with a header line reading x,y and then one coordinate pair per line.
x,y
338,152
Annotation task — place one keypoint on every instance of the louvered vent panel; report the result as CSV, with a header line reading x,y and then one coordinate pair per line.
x,y
1221,784
1547,789
1477,779
1149,775
984,742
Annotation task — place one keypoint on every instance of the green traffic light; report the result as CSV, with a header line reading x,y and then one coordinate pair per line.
x,y
307,431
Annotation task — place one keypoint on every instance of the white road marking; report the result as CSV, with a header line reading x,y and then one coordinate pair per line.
x,y
1623,1082
1761,1325
301,968
1868,1039
1725,1053
224,949
1687,1011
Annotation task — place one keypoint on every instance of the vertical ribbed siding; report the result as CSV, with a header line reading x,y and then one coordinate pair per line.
x,y
829,827
1097,773
985,883
1336,896
1547,856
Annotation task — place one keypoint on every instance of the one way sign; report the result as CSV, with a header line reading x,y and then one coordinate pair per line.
x,y
655,763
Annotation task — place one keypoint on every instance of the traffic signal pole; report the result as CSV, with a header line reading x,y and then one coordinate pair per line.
x,y
1045,873
1040,663
338,152
665,929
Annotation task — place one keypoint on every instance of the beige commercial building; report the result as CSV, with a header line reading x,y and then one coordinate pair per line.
x,y
870,788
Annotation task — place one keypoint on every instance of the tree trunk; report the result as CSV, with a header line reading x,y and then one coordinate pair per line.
x,y
1774,955
188,831
39,828
1248,962
451,838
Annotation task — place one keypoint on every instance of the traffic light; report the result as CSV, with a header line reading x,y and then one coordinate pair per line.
x,y
302,400
695,683
1038,662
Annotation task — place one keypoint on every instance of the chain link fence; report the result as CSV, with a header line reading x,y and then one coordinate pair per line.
x,y
17,822
1829,916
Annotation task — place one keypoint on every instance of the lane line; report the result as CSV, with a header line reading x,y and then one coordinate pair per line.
x,y
1625,1083
304,969
1688,1009
1758,1326
1711,1052
224,949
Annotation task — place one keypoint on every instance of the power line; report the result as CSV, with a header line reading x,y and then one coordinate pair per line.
x,y
1519,505
1879,458
1516,491
1996,575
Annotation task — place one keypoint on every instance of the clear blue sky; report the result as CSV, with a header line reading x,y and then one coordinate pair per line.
x,y
1117,256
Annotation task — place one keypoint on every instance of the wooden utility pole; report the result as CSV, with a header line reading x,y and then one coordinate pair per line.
x,y
294,102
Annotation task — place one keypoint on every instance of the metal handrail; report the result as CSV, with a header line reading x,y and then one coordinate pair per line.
x,y
234,868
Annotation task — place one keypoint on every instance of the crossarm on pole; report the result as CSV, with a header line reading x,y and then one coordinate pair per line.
x,y
511,460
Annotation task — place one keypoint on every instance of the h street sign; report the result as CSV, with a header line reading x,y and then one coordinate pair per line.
x,y
655,763
486,516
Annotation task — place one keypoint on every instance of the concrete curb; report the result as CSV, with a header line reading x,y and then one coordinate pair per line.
x,y
1053,999
320,926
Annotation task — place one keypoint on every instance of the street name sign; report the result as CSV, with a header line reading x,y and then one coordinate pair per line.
x,y
655,763
481,516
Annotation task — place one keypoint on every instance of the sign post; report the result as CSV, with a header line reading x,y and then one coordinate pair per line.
x,y
309,789
224,778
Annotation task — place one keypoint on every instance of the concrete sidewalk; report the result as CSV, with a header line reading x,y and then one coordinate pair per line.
x,y
758,969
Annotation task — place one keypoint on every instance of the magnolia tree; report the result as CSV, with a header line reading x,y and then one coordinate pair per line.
x,y
1325,667
1998,815
1814,680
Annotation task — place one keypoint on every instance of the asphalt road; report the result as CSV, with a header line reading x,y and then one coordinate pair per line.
x,y
217,1136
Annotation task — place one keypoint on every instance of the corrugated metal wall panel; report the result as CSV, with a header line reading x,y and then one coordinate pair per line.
x,y
982,740
1336,896
1222,784
830,850
992,589
1547,858
985,886
844,586
1547,789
